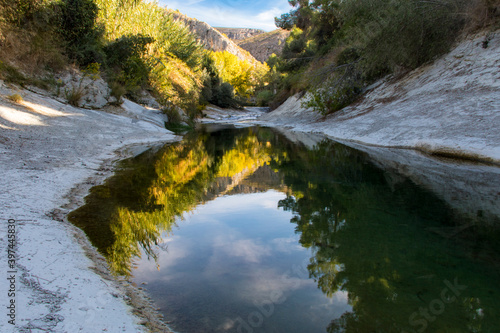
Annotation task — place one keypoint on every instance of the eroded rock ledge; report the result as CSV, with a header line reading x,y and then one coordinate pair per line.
x,y
450,107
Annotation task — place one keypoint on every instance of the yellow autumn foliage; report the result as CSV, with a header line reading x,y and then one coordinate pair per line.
x,y
248,154
182,175
174,56
243,75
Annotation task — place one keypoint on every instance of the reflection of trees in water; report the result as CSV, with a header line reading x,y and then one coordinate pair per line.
x,y
184,175
370,240
132,210
367,234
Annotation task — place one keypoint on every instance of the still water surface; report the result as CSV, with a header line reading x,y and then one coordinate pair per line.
x,y
242,230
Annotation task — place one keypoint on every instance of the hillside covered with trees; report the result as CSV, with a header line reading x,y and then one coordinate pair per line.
x,y
337,48
334,51
134,45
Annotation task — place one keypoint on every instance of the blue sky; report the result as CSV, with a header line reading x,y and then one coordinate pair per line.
x,y
232,13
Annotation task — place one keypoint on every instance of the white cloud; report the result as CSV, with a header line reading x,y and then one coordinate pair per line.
x,y
247,250
168,256
269,15
242,203
287,245
224,16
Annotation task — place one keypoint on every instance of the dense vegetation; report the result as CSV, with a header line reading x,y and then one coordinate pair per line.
x,y
135,45
336,48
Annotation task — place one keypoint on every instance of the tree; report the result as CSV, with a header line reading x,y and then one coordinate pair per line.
x,y
300,16
286,21
79,29
241,74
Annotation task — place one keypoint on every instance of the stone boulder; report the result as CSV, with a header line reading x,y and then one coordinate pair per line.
x,y
84,90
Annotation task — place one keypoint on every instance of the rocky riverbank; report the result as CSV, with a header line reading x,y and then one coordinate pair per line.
x,y
450,107
51,154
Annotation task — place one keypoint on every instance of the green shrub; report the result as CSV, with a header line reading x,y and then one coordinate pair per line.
x,y
343,88
286,21
264,98
215,90
20,12
46,52
406,33
174,117
125,60
378,36
178,128
298,49
117,91
223,96
348,56
45,82
79,29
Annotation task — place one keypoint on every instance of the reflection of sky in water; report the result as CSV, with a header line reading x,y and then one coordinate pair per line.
x,y
232,257
236,260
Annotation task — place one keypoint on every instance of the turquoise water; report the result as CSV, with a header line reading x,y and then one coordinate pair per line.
x,y
242,230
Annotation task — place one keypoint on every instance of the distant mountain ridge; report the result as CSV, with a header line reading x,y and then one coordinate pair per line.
x,y
261,46
211,38
245,43
237,34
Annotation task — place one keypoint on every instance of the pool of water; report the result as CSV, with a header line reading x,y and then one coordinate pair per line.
x,y
245,230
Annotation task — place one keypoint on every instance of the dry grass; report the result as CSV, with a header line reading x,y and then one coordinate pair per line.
x,y
31,51
279,34
15,98
483,14
74,96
